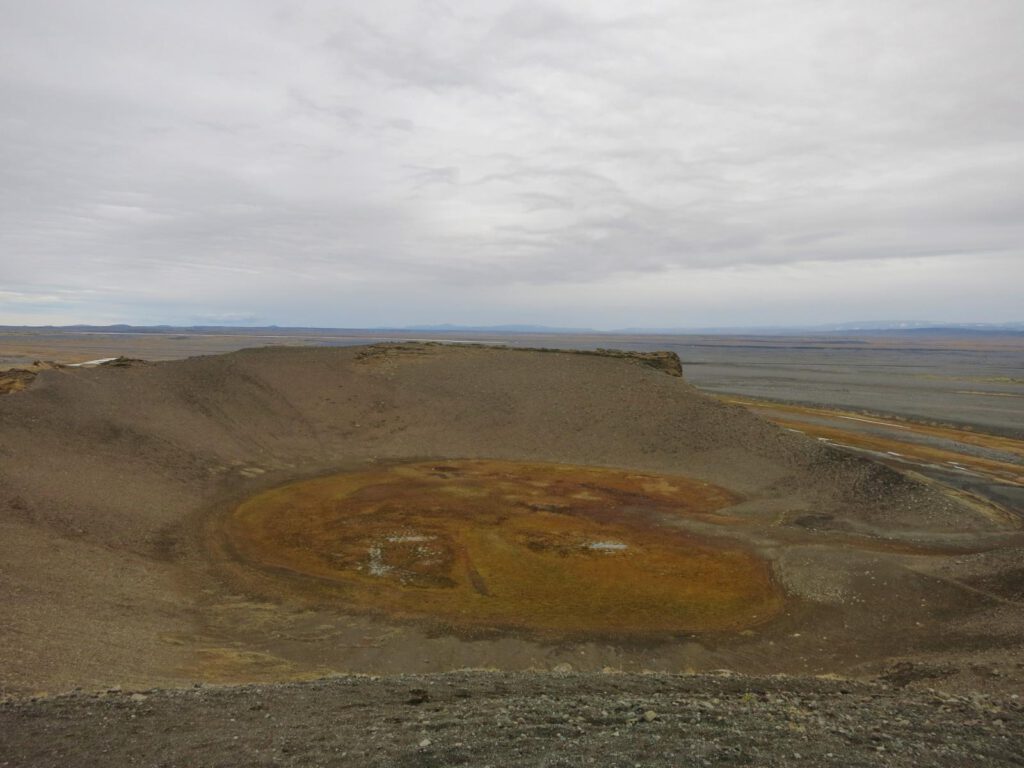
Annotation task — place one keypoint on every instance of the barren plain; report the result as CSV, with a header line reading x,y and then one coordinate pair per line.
x,y
410,509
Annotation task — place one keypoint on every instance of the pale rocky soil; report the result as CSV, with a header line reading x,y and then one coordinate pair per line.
x,y
491,719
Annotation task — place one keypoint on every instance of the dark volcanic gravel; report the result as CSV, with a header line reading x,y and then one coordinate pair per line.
x,y
501,719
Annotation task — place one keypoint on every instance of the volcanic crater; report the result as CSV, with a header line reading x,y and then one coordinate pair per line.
x,y
287,513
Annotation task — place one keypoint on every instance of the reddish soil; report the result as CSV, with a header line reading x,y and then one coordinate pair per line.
x,y
553,549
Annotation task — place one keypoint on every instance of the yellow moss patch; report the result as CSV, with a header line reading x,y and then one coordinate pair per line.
x,y
487,544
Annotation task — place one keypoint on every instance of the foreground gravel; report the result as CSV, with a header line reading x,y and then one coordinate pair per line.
x,y
502,719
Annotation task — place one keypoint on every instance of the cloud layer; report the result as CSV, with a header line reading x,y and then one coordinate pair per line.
x,y
599,163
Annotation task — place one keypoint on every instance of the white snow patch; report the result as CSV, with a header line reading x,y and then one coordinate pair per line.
x,y
99,361
377,566
607,546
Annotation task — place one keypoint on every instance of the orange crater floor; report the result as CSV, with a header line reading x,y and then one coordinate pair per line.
x,y
476,544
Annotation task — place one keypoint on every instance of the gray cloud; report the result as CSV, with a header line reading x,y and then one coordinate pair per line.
x,y
342,163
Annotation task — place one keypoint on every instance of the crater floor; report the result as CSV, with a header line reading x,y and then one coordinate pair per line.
x,y
543,548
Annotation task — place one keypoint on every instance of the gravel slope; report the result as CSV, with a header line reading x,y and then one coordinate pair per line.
x,y
481,719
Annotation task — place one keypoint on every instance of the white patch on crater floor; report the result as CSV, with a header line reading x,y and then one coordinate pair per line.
x,y
606,546
375,564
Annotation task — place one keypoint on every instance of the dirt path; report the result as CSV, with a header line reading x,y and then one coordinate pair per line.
x,y
986,466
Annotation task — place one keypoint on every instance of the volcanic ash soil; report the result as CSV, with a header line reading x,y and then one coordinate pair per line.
x,y
136,553
495,719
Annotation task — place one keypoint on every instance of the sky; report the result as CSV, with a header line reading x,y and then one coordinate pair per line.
x,y
598,164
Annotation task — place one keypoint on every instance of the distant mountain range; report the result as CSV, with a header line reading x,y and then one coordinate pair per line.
x,y
872,326
446,327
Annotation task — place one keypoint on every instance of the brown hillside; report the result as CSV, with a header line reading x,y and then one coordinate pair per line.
x,y
113,479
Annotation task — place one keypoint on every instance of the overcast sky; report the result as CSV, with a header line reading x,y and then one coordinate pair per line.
x,y
595,163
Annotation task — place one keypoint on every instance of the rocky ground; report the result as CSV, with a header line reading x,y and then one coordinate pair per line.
x,y
114,483
501,719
